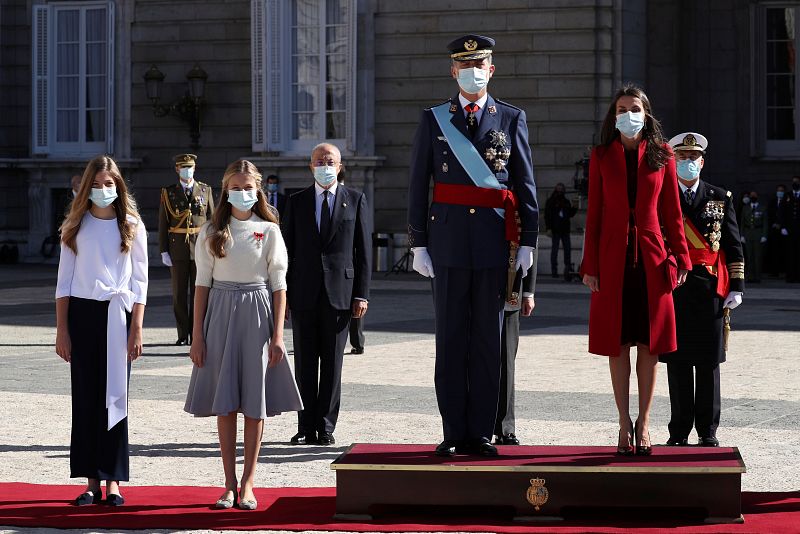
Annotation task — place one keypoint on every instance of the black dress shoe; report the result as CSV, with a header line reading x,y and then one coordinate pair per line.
x,y
357,351
678,442
326,438
89,498
708,441
479,446
446,448
509,439
112,499
304,438
182,341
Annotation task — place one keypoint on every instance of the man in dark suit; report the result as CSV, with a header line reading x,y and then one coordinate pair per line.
x,y
326,229
790,229
275,198
476,149
715,282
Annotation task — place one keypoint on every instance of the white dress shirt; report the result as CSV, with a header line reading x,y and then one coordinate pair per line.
x,y
481,104
694,187
320,196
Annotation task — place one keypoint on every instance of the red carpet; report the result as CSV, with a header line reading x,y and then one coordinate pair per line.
x,y
167,507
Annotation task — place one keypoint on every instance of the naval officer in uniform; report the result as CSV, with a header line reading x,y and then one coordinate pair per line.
x,y
184,208
475,148
715,282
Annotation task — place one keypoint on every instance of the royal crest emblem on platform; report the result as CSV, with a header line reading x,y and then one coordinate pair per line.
x,y
537,494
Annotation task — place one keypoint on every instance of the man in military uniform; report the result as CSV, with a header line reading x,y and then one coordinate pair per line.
x,y
183,209
790,230
716,282
754,234
476,150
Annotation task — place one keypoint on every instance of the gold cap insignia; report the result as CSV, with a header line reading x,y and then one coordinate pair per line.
x,y
690,140
470,45
185,160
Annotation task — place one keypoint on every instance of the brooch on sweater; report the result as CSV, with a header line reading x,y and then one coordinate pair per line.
x,y
259,237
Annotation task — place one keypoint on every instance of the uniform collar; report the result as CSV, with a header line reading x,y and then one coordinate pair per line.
x,y
481,101
693,188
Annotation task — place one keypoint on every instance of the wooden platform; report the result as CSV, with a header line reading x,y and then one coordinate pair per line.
x,y
541,483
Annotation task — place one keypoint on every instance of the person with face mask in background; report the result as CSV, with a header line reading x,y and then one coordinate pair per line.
x,y
275,198
789,218
754,229
475,149
633,193
558,211
775,256
101,293
183,209
715,282
327,232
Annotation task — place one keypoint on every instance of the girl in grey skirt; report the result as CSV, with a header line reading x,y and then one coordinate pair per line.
x,y
239,358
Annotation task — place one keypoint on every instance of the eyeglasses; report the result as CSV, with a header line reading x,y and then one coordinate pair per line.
x,y
326,163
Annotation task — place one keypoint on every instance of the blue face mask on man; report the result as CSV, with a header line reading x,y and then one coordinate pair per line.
x,y
103,197
325,175
688,169
473,81
242,200
629,123
272,188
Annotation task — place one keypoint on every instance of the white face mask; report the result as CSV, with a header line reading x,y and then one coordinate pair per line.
x,y
243,200
102,197
186,174
325,175
473,80
629,123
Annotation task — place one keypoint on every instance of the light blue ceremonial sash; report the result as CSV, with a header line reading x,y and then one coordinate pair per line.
x,y
466,153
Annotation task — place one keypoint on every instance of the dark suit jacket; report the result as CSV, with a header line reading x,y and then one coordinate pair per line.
x,y
341,265
281,207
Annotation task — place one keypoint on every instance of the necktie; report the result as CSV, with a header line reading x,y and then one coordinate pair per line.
x,y
272,200
472,119
325,217
689,196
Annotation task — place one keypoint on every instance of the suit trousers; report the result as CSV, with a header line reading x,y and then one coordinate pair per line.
x,y
94,451
320,335
468,306
183,275
694,398
357,333
504,421
564,239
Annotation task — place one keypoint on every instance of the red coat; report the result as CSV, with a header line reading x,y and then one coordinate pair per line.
x,y
607,219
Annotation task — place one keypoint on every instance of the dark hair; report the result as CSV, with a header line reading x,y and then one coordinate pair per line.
x,y
655,152
273,177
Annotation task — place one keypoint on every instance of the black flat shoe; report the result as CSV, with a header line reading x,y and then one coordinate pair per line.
x,y
88,497
326,438
677,442
112,499
303,438
446,448
510,439
708,441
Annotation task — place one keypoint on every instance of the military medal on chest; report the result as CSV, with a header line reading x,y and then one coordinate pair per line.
x,y
713,212
499,152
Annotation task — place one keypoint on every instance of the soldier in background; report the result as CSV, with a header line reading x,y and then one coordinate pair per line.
x,y
790,229
754,228
715,282
775,256
184,208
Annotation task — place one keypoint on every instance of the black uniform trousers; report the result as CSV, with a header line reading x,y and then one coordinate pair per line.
x,y
94,452
468,305
793,256
183,276
320,335
694,398
357,333
504,421
564,239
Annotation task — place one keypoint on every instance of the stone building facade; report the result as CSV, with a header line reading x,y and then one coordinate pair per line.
x,y
286,74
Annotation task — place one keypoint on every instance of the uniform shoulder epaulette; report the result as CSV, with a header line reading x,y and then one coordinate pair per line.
x,y
506,104
448,101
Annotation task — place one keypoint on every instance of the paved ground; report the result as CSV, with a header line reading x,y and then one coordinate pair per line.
x,y
564,394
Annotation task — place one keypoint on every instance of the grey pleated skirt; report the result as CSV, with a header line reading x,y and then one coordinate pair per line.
x,y
235,376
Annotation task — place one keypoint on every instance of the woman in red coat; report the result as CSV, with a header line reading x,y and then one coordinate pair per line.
x,y
633,194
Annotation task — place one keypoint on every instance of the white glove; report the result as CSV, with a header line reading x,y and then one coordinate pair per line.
x,y
165,259
784,231
422,261
743,240
733,299
524,259
763,239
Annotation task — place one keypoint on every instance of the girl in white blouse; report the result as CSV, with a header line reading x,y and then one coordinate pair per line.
x,y
100,298
239,358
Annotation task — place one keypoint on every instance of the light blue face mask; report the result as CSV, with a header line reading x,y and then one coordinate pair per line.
x,y
473,80
325,175
688,169
272,188
629,123
104,196
242,200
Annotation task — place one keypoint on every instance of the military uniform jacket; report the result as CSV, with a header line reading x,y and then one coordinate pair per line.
x,y
698,308
180,218
463,236
754,221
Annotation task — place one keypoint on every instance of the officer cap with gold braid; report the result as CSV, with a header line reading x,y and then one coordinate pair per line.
x,y
471,47
689,141
185,160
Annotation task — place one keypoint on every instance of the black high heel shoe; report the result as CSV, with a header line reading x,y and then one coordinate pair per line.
x,y
627,449
641,450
